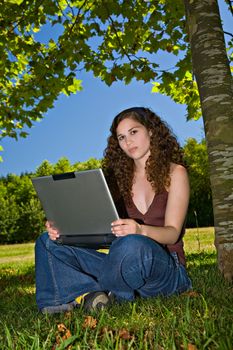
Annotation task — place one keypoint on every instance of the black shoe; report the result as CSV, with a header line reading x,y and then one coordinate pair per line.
x,y
112,298
96,301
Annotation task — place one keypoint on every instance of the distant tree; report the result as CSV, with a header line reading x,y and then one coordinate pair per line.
x,y
91,163
21,216
45,168
31,221
200,211
62,166
9,214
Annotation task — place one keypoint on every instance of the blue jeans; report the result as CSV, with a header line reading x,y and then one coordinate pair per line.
x,y
135,265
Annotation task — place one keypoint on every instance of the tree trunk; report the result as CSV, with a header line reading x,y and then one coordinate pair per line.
x,y
212,72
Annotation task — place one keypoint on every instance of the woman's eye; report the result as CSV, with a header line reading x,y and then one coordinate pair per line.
x,y
120,138
133,132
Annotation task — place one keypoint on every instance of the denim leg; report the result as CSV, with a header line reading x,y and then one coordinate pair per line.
x,y
64,272
137,264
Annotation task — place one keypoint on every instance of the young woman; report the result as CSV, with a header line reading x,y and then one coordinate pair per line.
x,y
147,258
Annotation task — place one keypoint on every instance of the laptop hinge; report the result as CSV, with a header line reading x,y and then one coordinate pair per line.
x,y
65,176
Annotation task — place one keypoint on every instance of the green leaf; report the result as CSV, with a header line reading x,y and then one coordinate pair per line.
x,y
23,134
76,86
17,2
155,88
36,29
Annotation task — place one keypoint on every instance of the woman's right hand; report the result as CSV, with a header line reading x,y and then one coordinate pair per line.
x,y
52,231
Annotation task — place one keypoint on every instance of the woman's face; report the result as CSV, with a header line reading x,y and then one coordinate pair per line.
x,y
134,139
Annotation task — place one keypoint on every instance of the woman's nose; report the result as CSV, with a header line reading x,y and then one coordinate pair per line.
x,y
128,140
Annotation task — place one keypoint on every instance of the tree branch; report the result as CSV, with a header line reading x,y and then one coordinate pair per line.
x,y
117,36
228,33
229,2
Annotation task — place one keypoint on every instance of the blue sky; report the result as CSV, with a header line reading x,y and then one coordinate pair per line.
x,y
77,127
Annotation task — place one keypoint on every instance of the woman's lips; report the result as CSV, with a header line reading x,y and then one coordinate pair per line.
x,y
132,150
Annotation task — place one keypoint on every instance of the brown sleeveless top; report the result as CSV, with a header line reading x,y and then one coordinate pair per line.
x,y
155,217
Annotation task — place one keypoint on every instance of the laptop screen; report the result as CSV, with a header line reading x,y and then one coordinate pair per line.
x,y
78,203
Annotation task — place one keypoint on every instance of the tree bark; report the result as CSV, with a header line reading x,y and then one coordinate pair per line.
x,y
212,72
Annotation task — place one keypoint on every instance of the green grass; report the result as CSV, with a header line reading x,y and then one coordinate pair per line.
x,y
198,320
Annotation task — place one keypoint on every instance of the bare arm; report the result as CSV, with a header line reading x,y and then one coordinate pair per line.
x,y
177,205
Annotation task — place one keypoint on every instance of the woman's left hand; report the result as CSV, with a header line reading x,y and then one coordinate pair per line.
x,y
124,227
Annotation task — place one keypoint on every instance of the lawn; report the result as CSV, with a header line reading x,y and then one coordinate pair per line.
x,y
200,319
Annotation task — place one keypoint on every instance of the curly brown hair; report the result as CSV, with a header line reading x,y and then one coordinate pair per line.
x,y
164,150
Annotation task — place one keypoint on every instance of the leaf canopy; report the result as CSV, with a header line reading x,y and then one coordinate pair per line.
x,y
44,45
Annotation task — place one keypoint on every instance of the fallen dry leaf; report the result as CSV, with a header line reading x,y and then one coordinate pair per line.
x,y
63,333
89,322
124,334
66,335
61,328
189,347
191,293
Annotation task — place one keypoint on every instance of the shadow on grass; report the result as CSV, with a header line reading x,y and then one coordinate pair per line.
x,y
18,286
17,292
14,277
207,279
212,302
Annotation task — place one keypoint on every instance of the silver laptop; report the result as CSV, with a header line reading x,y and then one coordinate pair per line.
x,y
80,205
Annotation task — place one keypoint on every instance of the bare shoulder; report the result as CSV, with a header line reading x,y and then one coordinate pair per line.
x,y
178,171
179,174
179,180
179,177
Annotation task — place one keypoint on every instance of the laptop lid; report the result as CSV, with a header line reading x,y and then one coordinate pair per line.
x,y
78,203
